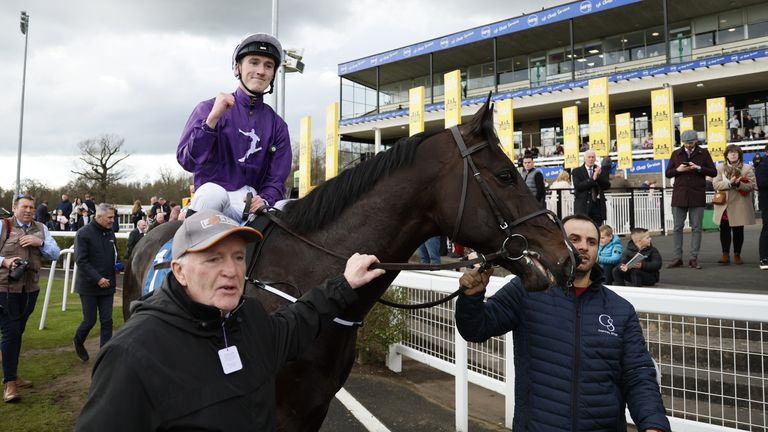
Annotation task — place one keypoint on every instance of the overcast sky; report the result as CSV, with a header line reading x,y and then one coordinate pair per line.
x,y
137,68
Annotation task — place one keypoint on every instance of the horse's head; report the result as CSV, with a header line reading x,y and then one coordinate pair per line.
x,y
488,207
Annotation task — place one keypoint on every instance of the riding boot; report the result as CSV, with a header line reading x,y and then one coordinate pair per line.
x,y
737,259
726,259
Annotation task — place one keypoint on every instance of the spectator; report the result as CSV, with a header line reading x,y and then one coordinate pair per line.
x,y
648,141
756,160
737,180
563,181
761,176
749,126
42,215
116,221
90,204
21,239
137,213
534,179
135,236
429,251
65,206
81,216
619,183
590,181
175,212
62,222
251,142
559,359
733,125
689,165
178,330
609,252
96,257
161,206
644,272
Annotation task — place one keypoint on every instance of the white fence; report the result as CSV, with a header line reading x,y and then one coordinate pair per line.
x,y
712,349
625,210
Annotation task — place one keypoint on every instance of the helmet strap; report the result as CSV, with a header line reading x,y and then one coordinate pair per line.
x,y
253,92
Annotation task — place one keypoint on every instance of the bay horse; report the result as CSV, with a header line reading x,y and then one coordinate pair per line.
x,y
388,206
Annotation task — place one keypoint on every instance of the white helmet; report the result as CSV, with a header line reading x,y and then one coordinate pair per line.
x,y
261,44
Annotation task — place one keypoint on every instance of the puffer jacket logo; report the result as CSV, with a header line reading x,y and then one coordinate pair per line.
x,y
606,321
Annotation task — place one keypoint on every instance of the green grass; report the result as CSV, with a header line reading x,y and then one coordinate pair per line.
x,y
47,358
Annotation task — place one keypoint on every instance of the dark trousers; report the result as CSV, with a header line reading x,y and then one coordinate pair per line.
x,y
632,277
16,309
763,247
725,237
608,272
90,305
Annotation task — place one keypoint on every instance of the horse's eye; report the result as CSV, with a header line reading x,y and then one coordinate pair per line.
x,y
506,176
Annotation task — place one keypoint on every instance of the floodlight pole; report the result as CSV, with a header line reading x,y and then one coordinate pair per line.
x,y
276,93
25,31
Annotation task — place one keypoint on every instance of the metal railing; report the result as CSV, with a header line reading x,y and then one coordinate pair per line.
x,y
711,347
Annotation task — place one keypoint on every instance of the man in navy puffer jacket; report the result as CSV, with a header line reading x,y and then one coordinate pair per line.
x,y
580,355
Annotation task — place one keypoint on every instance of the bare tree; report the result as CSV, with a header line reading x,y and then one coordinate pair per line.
x,y
99,158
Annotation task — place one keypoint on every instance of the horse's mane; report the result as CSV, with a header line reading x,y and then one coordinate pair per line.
x,y
325,203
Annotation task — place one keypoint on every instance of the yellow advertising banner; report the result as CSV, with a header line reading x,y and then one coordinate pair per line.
x,y
716,128
505,126
332,141
599,130
415,110
452,83
663,133
571,136
686,123
624,140
305,155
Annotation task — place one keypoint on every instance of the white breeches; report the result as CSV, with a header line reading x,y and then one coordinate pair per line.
x,y
213,196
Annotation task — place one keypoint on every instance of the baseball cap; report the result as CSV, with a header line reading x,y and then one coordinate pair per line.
x,y
205,228
689,135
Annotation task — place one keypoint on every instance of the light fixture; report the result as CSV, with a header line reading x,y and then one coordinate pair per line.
x,y
700,85
581,59
645,113
655,34
624,41
594,51
590,64
732,29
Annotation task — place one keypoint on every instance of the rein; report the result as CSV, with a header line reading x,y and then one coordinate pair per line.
x,y
499,210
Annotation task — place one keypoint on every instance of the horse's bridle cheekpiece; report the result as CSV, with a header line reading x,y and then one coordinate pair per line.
x,y
500,210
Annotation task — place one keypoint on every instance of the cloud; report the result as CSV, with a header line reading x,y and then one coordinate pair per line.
x,y
137,68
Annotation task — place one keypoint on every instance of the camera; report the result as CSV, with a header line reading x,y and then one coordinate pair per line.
x,y
18,270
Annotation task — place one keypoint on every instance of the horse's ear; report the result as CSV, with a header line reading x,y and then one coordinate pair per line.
x,y
482,121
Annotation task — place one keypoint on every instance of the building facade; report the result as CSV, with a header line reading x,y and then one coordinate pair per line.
x,y
543,61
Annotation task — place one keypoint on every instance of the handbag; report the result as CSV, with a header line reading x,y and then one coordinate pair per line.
x,y
719,198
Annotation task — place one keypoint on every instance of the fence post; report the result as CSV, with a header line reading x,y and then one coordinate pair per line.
x,y
462,388
67,262
662,208
631,209
48,287
509,380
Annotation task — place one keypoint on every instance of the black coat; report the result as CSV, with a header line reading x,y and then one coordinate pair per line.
x,y
650,265
583,186
161,371
96,256
133,238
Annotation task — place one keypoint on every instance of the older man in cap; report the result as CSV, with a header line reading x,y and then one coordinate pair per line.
x,y
689,166
197,354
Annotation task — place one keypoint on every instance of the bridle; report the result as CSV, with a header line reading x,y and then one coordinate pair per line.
x,y
499,209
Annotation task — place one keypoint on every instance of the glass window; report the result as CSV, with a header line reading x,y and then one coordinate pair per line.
x,y
757,14
730,19
703,40
758,30
538,69
705,24
554,59
732,34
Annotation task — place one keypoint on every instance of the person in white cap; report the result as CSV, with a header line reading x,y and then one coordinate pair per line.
x,y
197,354
235,143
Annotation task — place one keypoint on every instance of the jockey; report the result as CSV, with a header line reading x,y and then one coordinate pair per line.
x,y
235,143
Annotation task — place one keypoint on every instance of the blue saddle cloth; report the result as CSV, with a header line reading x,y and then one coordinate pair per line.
x,y
160,268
